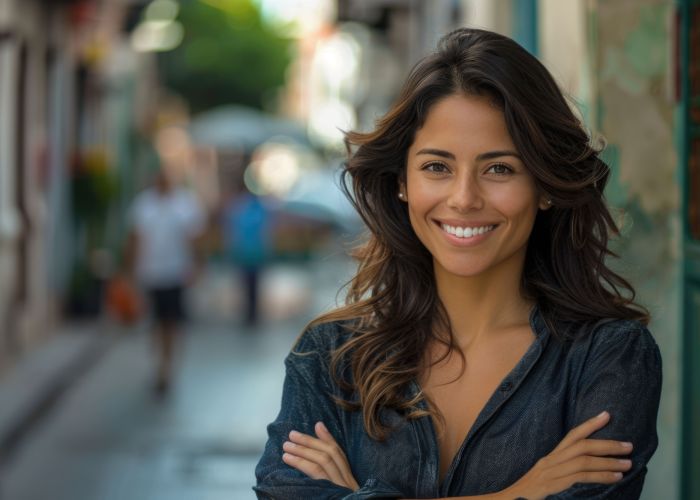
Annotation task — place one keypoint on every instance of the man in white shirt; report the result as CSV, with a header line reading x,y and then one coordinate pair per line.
x,y
165,224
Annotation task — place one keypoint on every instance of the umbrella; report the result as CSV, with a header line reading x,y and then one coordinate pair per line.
x,y
317,196
241,127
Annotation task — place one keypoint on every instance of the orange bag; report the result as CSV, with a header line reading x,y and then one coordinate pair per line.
x,y
123,300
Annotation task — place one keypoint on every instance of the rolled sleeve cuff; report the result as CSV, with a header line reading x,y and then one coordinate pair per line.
x,y
375,489
323,489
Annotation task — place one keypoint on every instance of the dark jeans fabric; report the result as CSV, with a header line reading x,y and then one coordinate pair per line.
x,y
167,304
251,281
557,385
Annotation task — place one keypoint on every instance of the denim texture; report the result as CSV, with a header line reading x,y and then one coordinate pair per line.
x,y
614,366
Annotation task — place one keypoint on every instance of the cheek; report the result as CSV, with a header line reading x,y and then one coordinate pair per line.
x,y
518,209
419,218
415,217
422,197
517,202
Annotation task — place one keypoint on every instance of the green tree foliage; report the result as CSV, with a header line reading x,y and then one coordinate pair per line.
x,y
228,55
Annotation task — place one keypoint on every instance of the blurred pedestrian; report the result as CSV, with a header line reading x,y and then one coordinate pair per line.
x,y
247,235
166,223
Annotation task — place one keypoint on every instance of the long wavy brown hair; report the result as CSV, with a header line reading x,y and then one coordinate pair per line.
x,y
392,306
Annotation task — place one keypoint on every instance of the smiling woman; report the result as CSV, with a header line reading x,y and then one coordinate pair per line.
x,y
486,350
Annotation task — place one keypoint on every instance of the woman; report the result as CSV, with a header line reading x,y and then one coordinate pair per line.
x,y
485,350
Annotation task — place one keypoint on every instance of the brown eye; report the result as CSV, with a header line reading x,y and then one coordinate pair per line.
x,y
436,167
500,169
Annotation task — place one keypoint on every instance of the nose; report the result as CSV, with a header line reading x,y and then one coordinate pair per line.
x,y
465,194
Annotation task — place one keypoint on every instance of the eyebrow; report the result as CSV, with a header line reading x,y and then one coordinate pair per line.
x,y
490,155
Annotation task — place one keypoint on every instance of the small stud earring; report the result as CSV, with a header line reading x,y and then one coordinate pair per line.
x,y
401,195
548,201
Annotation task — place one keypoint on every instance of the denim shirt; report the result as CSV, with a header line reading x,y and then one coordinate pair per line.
x,y
556,385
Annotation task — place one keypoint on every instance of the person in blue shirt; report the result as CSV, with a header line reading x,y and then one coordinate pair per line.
x,y
486,349
247,234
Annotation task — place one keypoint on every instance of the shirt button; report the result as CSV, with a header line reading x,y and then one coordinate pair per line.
x,y
506,386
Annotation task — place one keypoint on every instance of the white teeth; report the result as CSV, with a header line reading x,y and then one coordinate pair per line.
x,y
466,232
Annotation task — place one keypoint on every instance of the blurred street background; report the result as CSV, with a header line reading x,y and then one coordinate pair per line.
x,y
242,104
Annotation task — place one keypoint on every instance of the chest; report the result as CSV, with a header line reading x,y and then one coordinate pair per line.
x,y
460,389
524,417
164,219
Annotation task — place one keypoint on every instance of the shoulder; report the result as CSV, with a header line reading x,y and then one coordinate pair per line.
x,y
621,346
310,357
323,338
620,334
604,333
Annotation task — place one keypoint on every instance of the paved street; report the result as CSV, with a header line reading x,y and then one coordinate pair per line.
x,y
109,439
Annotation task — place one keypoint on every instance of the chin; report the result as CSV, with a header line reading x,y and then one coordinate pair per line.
x,y
463,269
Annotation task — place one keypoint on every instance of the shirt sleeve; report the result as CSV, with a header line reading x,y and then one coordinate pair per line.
x,y
623,376
307,398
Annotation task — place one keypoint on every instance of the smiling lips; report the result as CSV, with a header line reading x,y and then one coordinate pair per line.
x,y
466,232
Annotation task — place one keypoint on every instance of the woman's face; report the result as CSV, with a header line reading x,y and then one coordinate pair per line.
x,y
471,200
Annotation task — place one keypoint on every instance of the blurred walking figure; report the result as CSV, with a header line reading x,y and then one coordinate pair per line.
x,y
166,222
246,226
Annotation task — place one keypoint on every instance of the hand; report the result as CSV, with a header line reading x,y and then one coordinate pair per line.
x,y
319,458
575,460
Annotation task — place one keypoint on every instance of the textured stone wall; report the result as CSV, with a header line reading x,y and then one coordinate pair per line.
x,y
631,45
615,59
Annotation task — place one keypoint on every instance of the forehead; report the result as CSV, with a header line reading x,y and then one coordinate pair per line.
x,y
463,122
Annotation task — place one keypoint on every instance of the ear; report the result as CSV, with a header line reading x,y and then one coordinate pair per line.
x,y
545,202
402,192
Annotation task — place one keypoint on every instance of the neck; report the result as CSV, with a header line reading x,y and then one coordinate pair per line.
x,y
483,305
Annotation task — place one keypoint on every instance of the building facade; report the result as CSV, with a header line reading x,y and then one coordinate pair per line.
x,y
34,60
72,94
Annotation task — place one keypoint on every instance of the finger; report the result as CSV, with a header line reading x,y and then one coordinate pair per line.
x,y
324,434
324,463
332,446
584,430
338,455
591,464
314,443
602,477
308,467
341,473
308,441
326,445
593,447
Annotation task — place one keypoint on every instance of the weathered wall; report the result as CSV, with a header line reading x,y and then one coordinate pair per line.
x,y
564,49
635,111
9,218
495,15
32,319
614,57
25,318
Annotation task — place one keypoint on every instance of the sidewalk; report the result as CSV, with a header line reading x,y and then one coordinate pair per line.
x,y
39,379
108,438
